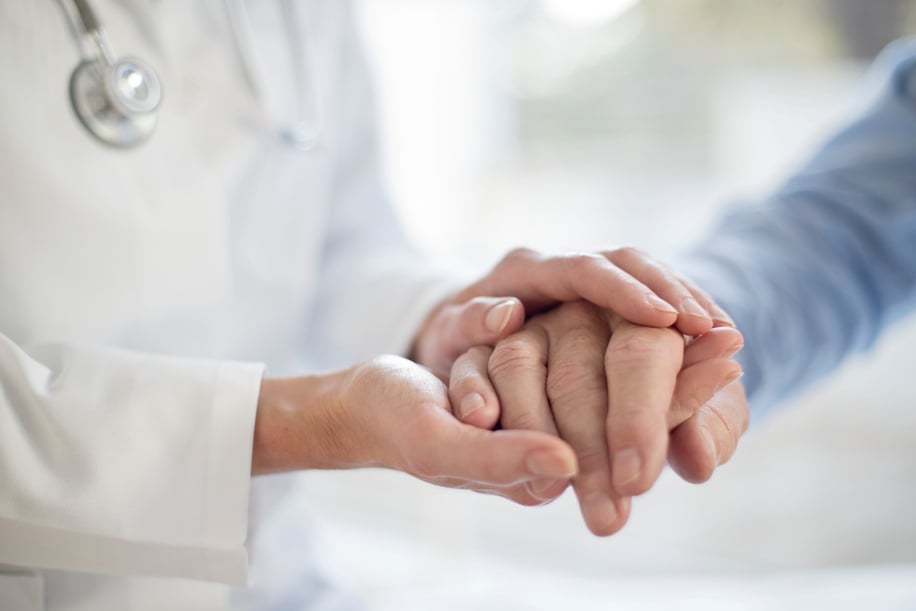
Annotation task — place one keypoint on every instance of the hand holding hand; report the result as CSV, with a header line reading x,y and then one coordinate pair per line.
x,y
390,412
625,280
613,390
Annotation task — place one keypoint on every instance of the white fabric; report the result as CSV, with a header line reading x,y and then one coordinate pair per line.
x,y
143,291
21,590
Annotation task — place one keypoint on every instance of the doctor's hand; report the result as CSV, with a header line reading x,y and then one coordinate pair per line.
x,y
391,412
614,391
625,280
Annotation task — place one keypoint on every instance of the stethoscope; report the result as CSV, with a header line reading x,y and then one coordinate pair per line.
x,y
117,98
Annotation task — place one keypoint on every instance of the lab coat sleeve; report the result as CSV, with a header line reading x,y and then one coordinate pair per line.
x,y
375,289
820,269
119,462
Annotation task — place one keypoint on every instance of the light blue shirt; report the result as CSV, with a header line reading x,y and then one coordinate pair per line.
x,y
821,268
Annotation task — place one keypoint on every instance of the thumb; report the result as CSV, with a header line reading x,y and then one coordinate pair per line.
x,y
456,327
495,458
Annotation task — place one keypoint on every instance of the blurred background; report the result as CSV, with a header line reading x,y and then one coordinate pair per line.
x,y
579,124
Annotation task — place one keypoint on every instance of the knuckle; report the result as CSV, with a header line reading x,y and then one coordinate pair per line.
x,y
521,253
581,314
514,353
642,346
477,355
573,379
630,253
577,263
593,458
523,420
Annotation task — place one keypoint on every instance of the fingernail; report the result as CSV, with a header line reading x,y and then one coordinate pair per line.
x,y
470,404
693,308
601,512
499,315
735,349
626,467
660,304
539,487
721,316
549,464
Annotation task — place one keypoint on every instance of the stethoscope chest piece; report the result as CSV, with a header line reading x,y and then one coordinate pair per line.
x,y
116,101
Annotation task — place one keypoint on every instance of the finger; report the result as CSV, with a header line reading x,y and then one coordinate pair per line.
x,y
456,327
541,281
473,398
577,389
693,318
720,317
720,342
518,372
520,494
710,437
452,449
642,364
699,383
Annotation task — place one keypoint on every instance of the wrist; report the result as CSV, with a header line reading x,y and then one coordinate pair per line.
x,y
300,424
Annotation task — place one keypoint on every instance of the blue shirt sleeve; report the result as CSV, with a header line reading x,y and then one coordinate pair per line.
x,y
818,270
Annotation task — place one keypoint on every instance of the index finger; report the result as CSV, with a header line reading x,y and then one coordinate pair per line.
x,y
642,364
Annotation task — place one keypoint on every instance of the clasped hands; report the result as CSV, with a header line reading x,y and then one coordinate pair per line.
x,y
590,370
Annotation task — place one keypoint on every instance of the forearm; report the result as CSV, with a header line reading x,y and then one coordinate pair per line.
x,y
810,277
821,268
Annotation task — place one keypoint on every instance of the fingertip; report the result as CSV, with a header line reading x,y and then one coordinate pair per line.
x,y
637,454
693,454
552,458
471,394
630,474
693,325
477,410
514,318
660,305
725,324
547,489
652,312
718,342
497,316
721,318
604,515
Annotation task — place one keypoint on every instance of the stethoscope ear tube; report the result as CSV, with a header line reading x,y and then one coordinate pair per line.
x,y
87,16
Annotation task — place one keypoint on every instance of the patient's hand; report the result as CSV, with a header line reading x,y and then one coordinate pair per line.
x,y
622,395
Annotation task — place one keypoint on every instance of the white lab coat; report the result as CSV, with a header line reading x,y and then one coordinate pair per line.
x,y
143,292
